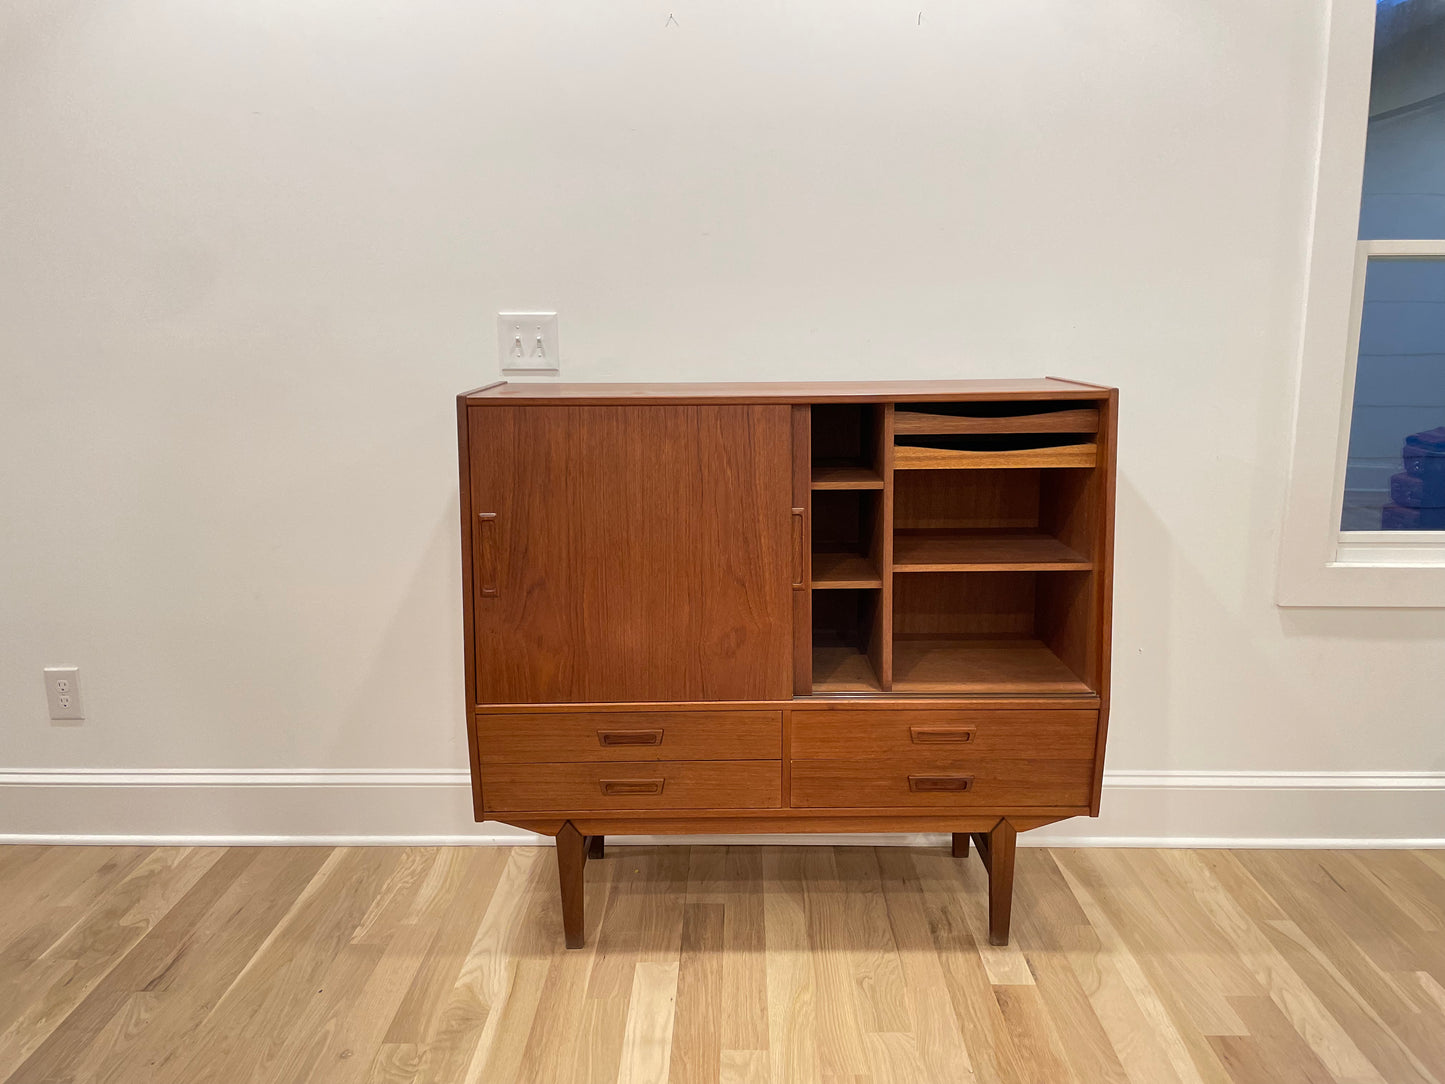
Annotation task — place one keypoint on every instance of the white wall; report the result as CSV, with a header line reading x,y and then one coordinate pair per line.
x,y
250,251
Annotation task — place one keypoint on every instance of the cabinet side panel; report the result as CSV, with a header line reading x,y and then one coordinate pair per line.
x,y
635,553
464,491
1104,575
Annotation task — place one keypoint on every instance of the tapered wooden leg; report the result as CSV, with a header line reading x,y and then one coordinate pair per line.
x,y
1001,847
960,844
571,857
594,846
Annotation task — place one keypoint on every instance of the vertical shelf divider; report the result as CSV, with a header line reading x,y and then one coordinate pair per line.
x,y
880,641
802,420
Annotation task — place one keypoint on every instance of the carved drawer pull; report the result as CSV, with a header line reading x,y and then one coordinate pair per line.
x,y
629,737
939,782
631,786
922,735
485,554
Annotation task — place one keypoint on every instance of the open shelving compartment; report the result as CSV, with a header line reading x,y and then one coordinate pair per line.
x,y
990,633
995,516
850,514
968,566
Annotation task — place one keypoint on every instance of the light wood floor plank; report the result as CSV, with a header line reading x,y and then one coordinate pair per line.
x,y
958,945
873,955
647,1041
841,1051
744,956
1188,1052
719,965
255,1017
938,1038
554,1052
700,1009
792,1002
505,967
99,941
184,969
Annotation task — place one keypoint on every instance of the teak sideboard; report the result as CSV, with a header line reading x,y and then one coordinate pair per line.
x,y
732,608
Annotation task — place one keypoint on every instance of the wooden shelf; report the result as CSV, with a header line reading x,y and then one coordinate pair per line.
x,y
909,457
983,551
846,478
922,423
843,670
981,666
844,570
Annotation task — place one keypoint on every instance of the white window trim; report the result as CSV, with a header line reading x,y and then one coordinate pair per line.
x,y
1318,565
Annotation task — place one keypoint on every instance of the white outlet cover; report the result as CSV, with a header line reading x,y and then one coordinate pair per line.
x,y
527,342
62,692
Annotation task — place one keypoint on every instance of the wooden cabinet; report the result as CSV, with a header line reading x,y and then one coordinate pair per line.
x,y
734,608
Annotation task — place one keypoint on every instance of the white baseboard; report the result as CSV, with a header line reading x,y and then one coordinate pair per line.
x,y
403,808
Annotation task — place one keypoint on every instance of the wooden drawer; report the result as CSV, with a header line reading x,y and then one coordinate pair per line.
x,y
991,784
871,734
654,784
630,735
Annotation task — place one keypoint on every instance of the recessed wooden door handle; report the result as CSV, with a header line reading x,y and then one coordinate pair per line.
x,y
486,554
629,737
923,735
631,786
918,783
799,540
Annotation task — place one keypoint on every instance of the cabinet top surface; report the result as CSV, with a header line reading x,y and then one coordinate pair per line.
x,y
901,391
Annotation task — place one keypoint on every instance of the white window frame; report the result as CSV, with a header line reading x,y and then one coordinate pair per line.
x,y
1320,565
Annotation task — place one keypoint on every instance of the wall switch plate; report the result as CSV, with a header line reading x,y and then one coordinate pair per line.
x,y
527,342
62,692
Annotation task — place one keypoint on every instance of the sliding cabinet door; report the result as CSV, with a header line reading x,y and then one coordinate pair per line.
x,y
631,553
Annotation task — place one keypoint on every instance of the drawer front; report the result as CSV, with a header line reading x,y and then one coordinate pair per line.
x,y
871,734
992,784
643,784
629,735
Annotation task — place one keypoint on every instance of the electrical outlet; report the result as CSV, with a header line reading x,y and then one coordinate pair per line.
x,y
527,342
62,691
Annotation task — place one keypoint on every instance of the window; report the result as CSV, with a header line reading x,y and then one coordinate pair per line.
x,y
1365,516
1395,471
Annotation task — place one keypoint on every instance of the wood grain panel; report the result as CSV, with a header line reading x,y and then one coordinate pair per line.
x,y
843,669
861,391
865,734
623,533
644,735
963,500
1047,702
992,784
1099,666
945,604
833,570
943,667
657,784
919,422
469,653
912,458
846,478
983,551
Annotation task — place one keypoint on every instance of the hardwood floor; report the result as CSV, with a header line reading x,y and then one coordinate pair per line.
x,y
730,965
